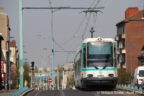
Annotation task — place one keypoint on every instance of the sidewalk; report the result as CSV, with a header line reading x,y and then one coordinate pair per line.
x,y
6,93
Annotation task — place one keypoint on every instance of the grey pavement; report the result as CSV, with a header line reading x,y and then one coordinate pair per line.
x,y
6,92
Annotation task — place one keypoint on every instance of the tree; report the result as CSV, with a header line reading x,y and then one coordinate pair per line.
x,y
27,78
15,78
123,77
70,81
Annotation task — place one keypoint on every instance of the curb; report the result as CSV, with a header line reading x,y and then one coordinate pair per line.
x,y
138,92
26,92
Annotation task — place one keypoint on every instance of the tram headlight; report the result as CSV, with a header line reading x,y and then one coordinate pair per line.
x,y
111,75
90,75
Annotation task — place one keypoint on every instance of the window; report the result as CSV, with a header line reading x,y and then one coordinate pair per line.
x,y
84,57
100,54
141,73
120,29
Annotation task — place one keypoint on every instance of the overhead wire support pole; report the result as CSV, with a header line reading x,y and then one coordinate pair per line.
x,y
9,65
20,45
52,65
52,61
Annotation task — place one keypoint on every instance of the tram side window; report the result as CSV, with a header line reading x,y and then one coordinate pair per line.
x,y
84,57
115,62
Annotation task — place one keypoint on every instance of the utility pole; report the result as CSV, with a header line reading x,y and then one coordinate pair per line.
x,y
32,69
9,62
52,65
130,50
57,78
63,80
20,45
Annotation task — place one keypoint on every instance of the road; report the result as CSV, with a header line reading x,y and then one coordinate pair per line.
x,y
70,92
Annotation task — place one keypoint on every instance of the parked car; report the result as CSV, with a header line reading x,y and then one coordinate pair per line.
x,y
138,76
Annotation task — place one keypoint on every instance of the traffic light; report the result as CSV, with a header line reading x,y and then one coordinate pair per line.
x,y
32,65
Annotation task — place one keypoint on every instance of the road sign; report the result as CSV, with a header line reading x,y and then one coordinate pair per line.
x,y
50,80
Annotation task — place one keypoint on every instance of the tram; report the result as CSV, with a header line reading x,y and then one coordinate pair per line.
x,y
95,63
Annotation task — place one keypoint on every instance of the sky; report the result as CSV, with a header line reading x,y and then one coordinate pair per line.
x,y
68,26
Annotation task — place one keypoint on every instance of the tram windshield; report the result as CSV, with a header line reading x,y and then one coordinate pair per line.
x,y
100,54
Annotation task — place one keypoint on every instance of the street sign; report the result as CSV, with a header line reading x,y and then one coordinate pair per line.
x,y
50,80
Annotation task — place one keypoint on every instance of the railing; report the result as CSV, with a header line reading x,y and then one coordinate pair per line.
x,y
20,91
131,88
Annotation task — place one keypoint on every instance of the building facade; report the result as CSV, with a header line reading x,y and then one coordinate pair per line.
x,y
13,56
130,38
4,30
1,66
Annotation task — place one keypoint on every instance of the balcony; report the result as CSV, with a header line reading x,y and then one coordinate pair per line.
x,y
123,36
120,46
123,51
118,52
117,38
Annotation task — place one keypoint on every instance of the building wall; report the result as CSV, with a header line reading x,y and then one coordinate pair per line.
x,y
4,30
4,25
134,37
13,55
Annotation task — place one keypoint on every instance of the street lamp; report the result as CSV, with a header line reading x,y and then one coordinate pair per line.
x,y
130,46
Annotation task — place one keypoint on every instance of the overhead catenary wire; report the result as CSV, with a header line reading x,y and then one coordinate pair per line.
x,y
86,26
59,45
95,3
94,16
95,19
76,32
98,1
92,3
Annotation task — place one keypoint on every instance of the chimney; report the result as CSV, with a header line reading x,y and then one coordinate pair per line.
x,y
1,10
130,12
13,43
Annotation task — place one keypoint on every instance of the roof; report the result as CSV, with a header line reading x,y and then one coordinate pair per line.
x,y
98,39
13,43
139,16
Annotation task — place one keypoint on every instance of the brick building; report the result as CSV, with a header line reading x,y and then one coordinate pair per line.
x,y
130,38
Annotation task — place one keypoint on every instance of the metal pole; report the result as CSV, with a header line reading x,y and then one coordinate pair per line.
x,y
130,46
9,62
52,64
91,35
57,79
63,80
131,63
20,45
